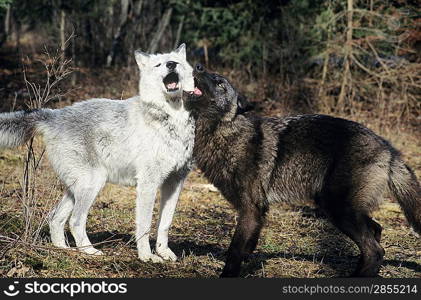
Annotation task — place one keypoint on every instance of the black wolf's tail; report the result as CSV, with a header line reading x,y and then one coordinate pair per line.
x,y
16,128
407,191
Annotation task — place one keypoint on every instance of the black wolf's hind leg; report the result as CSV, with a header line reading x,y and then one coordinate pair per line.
x,y
366,234
376,228
244,240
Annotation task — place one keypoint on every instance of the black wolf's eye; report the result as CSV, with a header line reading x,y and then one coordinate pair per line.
x,y
157,65
221,85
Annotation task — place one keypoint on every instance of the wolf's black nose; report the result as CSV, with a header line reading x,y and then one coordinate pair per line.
x,y
199,68
171,65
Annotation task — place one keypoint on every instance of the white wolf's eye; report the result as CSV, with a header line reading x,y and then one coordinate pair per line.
x,y
220,85
157,65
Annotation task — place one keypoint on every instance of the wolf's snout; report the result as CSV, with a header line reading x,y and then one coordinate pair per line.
x,y
171,65
199,68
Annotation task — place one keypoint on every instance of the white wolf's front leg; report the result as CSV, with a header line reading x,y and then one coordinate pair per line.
x,y
146,193
170,192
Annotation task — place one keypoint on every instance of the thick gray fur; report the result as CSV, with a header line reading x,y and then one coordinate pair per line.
x,y
145,141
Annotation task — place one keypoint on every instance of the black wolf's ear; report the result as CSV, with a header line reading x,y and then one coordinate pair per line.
x,y
141,57
243,104
181,50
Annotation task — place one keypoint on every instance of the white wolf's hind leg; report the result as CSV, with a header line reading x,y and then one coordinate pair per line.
x,y
85,193
58,218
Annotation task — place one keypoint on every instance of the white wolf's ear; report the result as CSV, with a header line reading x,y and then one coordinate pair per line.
x,y
181,50
141,57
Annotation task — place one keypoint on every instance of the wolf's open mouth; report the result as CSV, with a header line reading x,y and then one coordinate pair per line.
x,y
171,82
197,92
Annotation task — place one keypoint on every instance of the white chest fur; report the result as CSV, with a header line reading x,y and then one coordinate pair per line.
x,y
159,141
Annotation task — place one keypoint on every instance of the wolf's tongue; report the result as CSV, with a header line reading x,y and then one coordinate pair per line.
x,y
172,85
197,92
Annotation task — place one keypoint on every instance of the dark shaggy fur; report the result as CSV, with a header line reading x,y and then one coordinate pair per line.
x,y
340,165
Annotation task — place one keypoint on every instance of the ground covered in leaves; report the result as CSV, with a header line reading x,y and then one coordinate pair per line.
x,y
296,242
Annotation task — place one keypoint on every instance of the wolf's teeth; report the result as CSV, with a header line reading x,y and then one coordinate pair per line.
x,y
172,85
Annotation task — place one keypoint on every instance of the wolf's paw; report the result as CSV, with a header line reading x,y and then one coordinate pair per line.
x,y
166,254
91,251
150,257
416,234
61,246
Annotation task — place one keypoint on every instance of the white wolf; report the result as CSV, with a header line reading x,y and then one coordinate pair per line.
x,y
145,141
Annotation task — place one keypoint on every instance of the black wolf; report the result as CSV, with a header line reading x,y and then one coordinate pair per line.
x,y
254,161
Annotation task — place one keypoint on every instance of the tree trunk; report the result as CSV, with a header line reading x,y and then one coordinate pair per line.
x,y
165,20
17,34
118,37
134,35
74,63
63,33
4,35
348,49
7,21
178,35
138,7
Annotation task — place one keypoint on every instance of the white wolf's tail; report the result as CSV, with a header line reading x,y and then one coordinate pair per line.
x,y
16,128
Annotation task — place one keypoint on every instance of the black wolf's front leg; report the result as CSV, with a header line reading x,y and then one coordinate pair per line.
x,y
244,240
